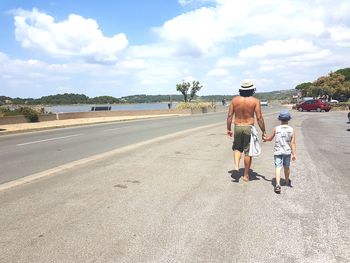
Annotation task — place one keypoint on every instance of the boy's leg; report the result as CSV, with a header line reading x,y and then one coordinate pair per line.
x,y
247,163
278,168
286,163
278,175
286,174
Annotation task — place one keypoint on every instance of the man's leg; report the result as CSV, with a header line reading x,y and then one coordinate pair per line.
x,y
236,157
247,163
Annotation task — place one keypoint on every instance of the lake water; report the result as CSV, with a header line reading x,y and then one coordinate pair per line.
x,y
87,107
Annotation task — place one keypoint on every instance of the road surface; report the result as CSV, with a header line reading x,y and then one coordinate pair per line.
x,y
174,200
25,154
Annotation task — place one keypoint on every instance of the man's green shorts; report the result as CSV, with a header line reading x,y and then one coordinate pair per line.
x,y
242,139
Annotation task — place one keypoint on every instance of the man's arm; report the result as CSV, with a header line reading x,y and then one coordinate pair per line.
x,y
259,118
293,144
229,119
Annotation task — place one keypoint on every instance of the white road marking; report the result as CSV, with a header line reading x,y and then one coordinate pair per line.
x,y
51,139
112,129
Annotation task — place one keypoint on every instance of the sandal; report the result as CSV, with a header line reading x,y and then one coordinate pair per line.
x,y
289,184
277,189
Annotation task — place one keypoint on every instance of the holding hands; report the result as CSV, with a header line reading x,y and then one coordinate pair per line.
x,y
265,137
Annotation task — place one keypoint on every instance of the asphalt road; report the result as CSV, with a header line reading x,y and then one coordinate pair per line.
x,y
174,200
25,154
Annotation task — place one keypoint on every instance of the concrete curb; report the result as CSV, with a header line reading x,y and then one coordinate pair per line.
x,y
30,127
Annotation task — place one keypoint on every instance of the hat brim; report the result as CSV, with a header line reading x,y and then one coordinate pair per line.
x,y
247,88
284,119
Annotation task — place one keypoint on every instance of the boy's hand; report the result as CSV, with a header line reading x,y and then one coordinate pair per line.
x,y
264,136
294,157
229,133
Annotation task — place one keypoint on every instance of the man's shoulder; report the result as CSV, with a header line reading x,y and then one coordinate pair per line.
x,y
248,99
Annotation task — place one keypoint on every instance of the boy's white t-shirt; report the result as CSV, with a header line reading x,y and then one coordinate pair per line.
x,y
283,135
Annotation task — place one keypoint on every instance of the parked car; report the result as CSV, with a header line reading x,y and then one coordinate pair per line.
x,y
343,98
264,103
317,105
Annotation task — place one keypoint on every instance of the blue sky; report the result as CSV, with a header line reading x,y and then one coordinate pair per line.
x,y
120,48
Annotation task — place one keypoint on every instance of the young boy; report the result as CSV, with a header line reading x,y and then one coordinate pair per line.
x,y
285,148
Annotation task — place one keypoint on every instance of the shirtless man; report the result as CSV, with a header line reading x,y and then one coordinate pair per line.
x,y
244,107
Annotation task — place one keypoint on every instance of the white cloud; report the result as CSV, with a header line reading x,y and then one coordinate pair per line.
x,y
75,37
155,51
202,31
218,72
230,62
132,64
193,34
279,48
341,35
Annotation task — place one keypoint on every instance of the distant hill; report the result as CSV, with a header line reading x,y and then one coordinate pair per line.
x,y
276,95
143,98
70,98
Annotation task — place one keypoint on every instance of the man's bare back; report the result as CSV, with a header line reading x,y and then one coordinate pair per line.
x,y
244,109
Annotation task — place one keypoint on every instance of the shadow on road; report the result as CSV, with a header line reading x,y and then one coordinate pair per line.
x,y
283,182
253,176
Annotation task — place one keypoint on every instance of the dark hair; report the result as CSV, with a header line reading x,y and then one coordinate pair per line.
x,y
246,93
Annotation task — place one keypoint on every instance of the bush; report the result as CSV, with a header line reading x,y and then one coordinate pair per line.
x,y
30,114
194,105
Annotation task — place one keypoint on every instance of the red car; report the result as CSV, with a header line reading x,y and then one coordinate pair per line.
x,y
317,105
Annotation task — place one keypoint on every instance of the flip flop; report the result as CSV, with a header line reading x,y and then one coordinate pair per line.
x,y
246,179
277,189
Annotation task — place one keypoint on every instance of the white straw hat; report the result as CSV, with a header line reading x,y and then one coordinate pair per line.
x,y
247,84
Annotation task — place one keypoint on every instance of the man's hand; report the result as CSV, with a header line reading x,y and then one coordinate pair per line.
x,y
264,136
294,157
229,133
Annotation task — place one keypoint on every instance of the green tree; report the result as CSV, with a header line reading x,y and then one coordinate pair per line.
x,y
104,100
332,85
65,99
194,89
305,88
345,72
184,87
